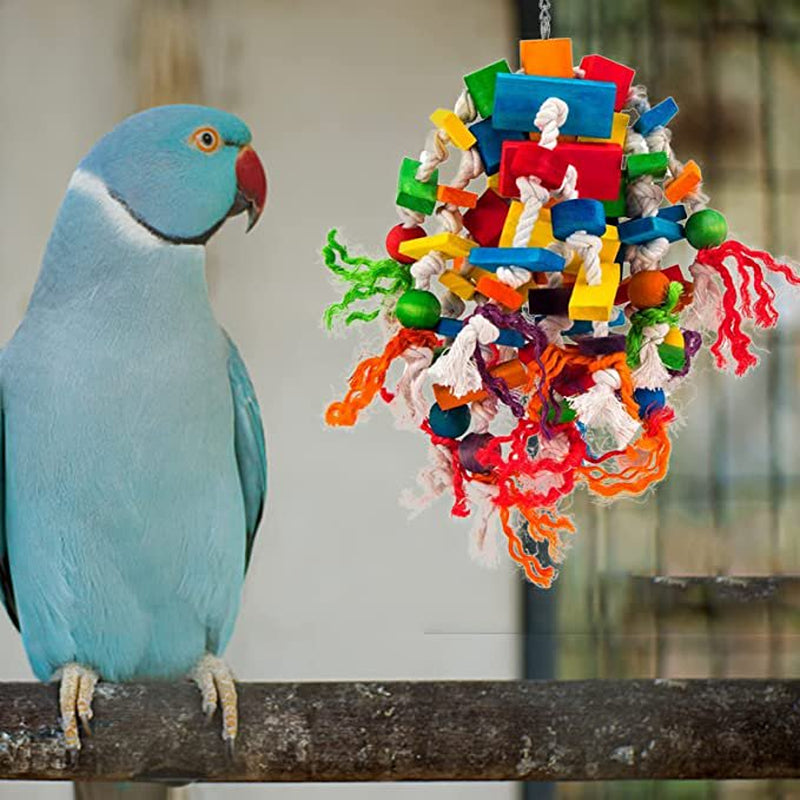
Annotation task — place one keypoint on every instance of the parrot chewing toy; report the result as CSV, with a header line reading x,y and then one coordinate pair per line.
x,y
133,469
545,313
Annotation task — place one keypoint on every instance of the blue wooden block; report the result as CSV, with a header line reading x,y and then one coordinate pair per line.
x,y
658,116
582,327
536,259
675,213
582,214
645,229
517,98
490,143
449,327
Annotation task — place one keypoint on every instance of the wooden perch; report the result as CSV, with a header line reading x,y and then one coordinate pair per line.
x,y
454,731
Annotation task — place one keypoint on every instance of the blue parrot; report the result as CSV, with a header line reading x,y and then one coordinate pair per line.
x,y
132,463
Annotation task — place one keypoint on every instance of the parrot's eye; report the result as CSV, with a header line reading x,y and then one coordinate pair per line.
x,y
206,139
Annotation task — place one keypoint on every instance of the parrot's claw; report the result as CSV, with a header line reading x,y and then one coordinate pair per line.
x,y
75,702
217,687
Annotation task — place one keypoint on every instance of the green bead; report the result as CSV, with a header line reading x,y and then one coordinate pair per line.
x,y
654,164
417,308
706,228
480,85
416,195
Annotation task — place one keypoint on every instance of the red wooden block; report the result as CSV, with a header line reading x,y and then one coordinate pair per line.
x,y
547,165
599,167
600,68
485,221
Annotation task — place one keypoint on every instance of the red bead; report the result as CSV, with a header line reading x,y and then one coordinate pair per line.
x,y
397,236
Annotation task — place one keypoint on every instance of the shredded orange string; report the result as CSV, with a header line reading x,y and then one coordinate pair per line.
x,y
642,464
368,377
535,571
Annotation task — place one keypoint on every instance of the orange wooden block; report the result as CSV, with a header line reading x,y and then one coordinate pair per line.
x,y
687,181
512,372
458,197
551,57
497,290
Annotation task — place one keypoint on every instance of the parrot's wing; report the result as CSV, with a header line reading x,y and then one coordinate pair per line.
x,y
251,457
6,589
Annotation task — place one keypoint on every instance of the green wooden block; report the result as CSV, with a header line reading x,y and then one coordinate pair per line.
x,y
654,164
414,194
618,207
481,86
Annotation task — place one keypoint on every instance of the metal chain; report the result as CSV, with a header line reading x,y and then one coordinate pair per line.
x,y
544,18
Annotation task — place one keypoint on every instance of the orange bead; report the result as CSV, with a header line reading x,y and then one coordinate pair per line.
x,y
648,289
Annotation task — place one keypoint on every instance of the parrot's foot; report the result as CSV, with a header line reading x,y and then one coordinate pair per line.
x,y
75,701
215,681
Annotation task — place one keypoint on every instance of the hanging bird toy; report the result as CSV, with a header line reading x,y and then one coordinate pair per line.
x,y
545,315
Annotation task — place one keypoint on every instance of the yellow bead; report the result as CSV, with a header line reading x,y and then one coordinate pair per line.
x,y
446,243
594,303
675,337
458,132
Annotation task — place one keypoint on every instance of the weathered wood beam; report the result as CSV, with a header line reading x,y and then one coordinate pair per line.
x,y
530,730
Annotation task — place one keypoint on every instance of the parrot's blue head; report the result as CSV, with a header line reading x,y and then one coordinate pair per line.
x,y
181,170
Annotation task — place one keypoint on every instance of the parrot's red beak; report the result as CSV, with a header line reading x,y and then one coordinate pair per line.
x,y
251,182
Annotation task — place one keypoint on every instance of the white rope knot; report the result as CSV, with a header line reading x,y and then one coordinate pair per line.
x,y
435,479
430,160
410,218
609,378
464,107
409,387
568,190
647,256
588,248
554,327
513,276
601,408
451,219
469,168
651,372
551,116
452,305
483,413
644,196
456,369
705,310
430,266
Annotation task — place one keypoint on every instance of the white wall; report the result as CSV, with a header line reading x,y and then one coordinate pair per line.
x,y
342,586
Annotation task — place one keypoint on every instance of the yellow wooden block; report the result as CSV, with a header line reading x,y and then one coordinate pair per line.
x,y
594,303
619,131
458,132
449,244
476,273
493,181
457,284
608,251
541,235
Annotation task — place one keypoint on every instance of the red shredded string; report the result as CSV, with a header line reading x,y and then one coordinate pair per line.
x,y
739,306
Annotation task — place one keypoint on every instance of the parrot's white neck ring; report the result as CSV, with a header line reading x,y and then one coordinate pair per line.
x,y
116,213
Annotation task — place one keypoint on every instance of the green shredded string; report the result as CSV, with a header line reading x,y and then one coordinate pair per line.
x,y
651,316
367,279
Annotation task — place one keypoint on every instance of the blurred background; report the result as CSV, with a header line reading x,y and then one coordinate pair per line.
x,y
343,586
